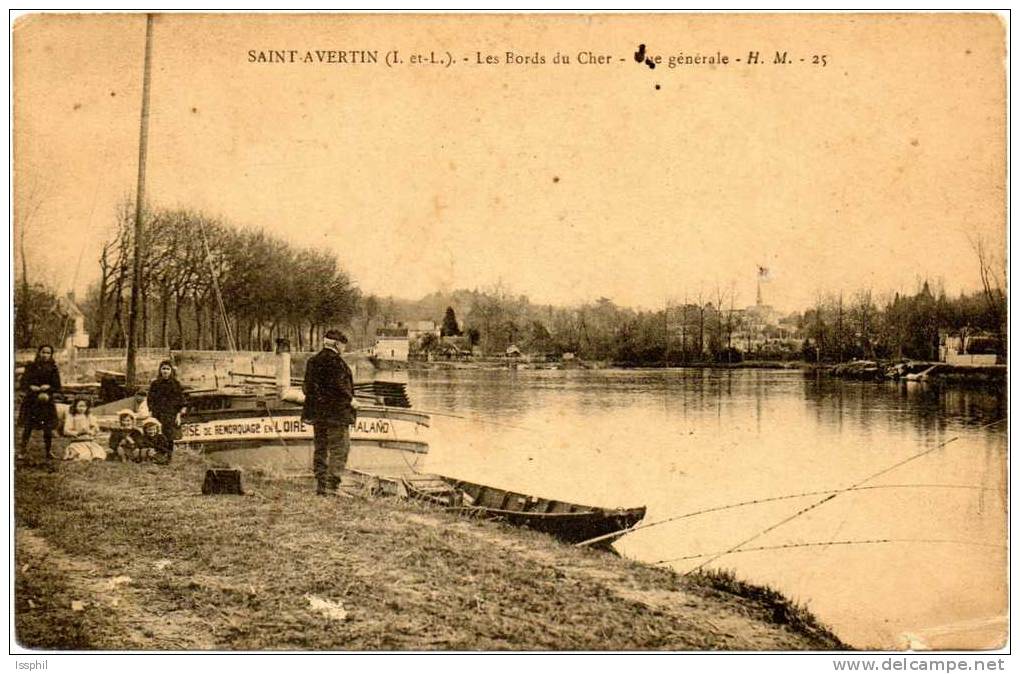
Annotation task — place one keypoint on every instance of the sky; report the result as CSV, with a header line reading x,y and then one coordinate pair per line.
x,y
565,183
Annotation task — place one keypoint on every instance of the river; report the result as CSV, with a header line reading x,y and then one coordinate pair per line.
x,y
917,559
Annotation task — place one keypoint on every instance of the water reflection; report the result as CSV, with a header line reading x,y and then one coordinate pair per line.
x,y
688,439
915,403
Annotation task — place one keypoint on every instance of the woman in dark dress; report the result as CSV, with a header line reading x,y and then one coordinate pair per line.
x,y
167,402
39,382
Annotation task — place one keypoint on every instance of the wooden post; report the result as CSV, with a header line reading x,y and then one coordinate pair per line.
x,y
143,142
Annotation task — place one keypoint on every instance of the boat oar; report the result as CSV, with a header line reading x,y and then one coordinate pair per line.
x,y
771,499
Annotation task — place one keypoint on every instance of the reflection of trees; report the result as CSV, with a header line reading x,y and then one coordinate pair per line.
x,y
929,408
711,400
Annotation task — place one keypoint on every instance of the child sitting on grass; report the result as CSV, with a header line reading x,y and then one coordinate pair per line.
x,y
124,440
81,427
153,445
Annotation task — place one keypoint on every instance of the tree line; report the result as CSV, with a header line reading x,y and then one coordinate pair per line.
x,y
209,284
843,328
192,262
710,329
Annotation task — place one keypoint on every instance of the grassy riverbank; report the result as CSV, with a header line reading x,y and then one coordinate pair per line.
x,y
126,556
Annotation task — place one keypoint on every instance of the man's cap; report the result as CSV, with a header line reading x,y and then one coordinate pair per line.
x,y
151,422
336,336
126,413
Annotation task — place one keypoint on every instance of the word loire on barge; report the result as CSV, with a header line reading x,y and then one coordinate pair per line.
x,y
258,425
259,433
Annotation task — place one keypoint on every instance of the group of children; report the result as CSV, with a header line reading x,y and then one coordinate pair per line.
x,y
127,442
153,441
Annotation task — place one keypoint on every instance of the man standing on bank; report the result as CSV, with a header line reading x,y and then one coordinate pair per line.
x,y
330,408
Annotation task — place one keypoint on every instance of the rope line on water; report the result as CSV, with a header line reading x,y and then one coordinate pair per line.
x,y
786,497
828,498
477,420
367,391
413,467
279,434
814,544
368,396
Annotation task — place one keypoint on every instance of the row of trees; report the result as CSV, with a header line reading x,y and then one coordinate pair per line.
x,y
191,263
838,328
206,284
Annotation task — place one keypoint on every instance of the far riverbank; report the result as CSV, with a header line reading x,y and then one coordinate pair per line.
x,y
934,372
503,363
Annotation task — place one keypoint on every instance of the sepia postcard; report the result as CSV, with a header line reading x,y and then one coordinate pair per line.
x,y
673,332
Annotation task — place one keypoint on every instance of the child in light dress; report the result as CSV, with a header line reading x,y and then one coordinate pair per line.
x,y
81,426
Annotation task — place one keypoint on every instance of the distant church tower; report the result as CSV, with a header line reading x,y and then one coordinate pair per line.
x,y
763,273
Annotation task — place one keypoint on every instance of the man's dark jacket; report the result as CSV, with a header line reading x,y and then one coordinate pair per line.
x,y
329,389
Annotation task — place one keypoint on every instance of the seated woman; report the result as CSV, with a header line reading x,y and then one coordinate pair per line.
x,y
124,440
153,445
82,428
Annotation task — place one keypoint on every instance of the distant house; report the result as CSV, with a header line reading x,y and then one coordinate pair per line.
x,y
452,351
77,337
969,349
392,344
417,329
763,315
455,347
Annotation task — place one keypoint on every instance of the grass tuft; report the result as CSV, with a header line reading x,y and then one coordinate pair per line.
x,y
779,609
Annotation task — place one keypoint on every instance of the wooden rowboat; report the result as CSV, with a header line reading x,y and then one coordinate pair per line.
x,y
569,522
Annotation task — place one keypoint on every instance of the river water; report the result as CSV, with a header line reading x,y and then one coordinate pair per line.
x,y
916,560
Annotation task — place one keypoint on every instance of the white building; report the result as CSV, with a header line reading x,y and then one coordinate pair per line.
x,y
392,344
955,350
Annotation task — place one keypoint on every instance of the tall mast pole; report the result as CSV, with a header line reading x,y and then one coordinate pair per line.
x,y
143,143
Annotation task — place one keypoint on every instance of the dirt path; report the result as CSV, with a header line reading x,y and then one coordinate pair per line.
x,y
111,611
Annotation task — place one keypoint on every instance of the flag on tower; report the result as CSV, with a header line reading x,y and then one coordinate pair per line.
x,y
763,273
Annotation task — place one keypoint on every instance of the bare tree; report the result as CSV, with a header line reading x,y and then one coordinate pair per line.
x,y
864,312
26,208
993,272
